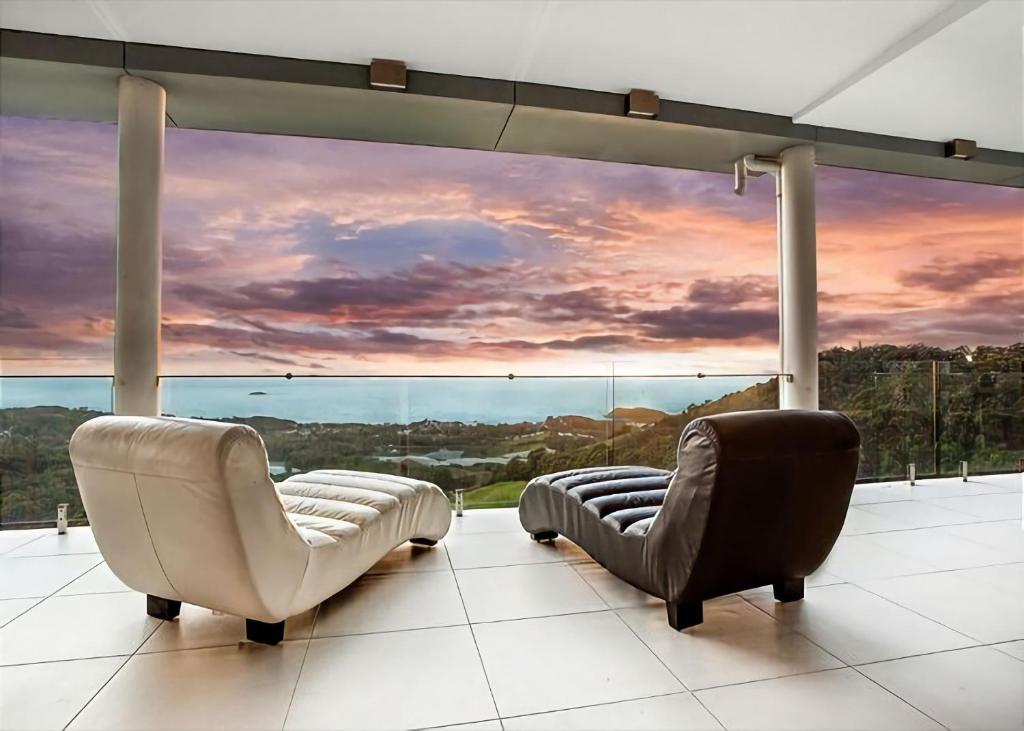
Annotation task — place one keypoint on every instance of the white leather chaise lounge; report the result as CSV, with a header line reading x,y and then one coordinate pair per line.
x,y
185,510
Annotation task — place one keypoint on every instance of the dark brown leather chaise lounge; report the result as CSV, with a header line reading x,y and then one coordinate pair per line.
x,y
757,498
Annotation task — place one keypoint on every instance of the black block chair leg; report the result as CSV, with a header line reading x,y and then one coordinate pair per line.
x,y
682,615
422,542
789,590
162,608
546,535
264,633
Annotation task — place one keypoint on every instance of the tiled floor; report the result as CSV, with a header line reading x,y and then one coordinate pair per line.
x,y
915,621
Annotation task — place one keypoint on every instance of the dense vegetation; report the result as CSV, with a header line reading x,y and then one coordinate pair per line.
x,y
976,414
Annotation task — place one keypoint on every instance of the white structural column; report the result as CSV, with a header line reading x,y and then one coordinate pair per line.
x,y
140,162
798,279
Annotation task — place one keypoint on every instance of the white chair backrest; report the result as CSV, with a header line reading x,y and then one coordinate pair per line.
x,y
185,509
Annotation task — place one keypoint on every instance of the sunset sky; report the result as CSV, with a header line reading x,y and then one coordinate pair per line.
x,y
307,255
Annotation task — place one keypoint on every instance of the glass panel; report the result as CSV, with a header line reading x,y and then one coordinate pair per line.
x,y
306,423
37,418
981,421
489,436
651,413
894,411
484,435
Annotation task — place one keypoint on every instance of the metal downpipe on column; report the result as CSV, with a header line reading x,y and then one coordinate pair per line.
x,y
797,269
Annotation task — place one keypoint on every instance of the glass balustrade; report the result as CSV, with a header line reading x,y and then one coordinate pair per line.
x,y
482,436
38,415
485,437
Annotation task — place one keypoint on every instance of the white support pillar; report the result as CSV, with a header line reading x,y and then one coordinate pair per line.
x,y
140,162
798,279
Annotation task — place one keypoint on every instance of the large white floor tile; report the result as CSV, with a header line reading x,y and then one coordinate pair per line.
x,y
76,540
11,608
413,679
478,550
244,686
409,557
735,644
919,514
858,627
821,577
834,699
48,695
1006,482
958,601
531,590
490,520
860,521
493,725
1005,506
880,493
98,580
22,578
615,592
75,627
11,539
1006,536
938,548
855,558
677,712
388,602
198,627
950,487
1006,577
555,663
976,688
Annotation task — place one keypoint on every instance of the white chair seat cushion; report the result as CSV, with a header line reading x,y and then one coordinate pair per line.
x,y
351,520
340,504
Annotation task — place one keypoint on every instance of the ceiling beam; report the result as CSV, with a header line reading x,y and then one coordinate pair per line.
x,y
951,14
74,78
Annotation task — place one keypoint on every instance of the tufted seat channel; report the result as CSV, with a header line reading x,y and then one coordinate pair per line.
x,y
329,505
626,499
185,510
756,498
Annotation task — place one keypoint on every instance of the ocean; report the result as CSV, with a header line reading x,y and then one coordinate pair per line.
x,y
374,400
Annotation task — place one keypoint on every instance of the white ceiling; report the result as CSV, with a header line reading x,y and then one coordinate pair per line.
x,y
930,69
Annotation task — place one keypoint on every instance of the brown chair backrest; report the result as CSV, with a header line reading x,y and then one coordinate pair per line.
x,y
758,496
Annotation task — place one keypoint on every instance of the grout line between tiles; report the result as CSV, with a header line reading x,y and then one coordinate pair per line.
x,y
886,599
898,697
302,664
910,529
994,645
668,669
476,644
37,600
911,609
98,690
20,545
114,674
997,646
608,703
387,631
